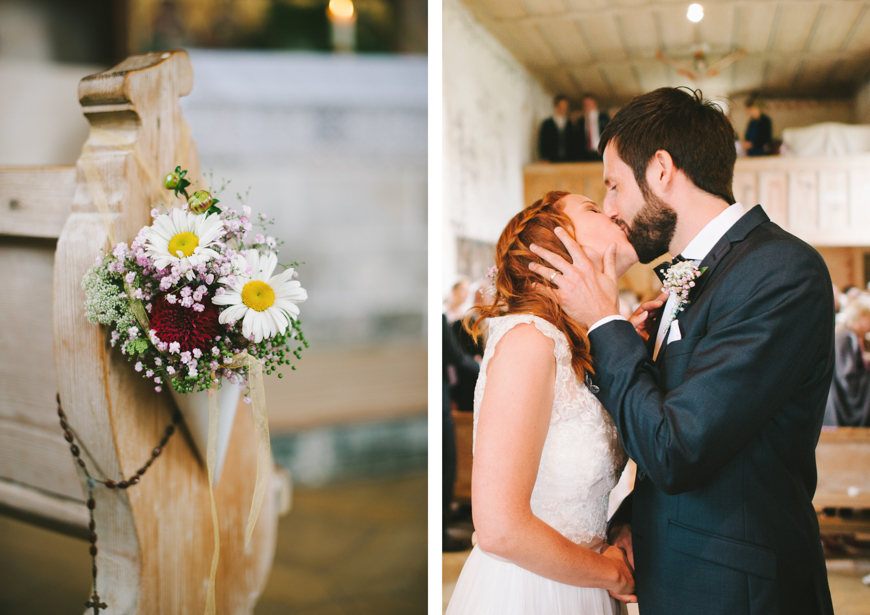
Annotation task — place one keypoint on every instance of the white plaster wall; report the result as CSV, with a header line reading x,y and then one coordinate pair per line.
x,y
491,112
335,149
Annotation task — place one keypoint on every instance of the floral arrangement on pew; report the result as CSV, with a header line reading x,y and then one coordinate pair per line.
x,y
198,306
192,292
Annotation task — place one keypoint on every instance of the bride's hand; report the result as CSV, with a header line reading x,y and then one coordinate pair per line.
x,y
623,589
641,319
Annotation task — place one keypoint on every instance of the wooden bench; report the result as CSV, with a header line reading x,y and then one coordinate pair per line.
x,y
155,539
843,459
464,426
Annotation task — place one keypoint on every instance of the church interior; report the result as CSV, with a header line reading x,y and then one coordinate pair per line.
x,y
315,112
804,65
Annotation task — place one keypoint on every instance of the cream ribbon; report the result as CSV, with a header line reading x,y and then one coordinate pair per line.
x,y
243,359
261,435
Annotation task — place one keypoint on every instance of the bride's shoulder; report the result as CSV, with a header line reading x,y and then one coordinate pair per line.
x,y
522,331
535,325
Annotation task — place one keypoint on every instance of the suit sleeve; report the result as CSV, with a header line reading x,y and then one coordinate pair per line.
x,y
769,332
544,148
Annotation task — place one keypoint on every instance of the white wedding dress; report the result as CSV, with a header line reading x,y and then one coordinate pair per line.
x,y
581,462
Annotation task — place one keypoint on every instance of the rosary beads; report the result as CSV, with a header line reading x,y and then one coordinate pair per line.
x,y
70,436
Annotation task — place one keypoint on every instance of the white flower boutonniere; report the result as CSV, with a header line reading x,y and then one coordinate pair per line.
x,y
680,280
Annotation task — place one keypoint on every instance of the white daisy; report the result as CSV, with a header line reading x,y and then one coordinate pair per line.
x,y
183,237
263,302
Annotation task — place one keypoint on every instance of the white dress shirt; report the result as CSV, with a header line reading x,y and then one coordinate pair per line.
x,y
696,251
592,135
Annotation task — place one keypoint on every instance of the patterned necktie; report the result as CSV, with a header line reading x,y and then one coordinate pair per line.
x,y
662,269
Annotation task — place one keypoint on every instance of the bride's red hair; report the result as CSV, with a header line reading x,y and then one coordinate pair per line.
x,y
515,291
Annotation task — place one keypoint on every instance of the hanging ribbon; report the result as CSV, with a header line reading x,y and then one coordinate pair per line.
x,y
261,435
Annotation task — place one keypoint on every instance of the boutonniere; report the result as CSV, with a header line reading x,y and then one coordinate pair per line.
x,y
680,280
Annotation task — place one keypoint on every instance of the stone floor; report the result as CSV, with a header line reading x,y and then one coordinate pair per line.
x,y
345,549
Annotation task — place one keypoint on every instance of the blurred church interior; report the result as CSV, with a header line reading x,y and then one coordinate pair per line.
x,y
806,63
325,121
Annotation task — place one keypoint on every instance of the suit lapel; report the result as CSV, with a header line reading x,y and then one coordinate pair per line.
x,y
737,233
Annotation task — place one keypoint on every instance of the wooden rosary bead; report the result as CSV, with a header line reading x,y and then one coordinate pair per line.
x,y
141,470
67,435
92,525
156,452
92,537
170,430
134,480
123,484
63,425
111,484
81,462
74,449
94,550
92,504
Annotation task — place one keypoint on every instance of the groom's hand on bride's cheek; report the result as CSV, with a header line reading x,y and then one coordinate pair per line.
x,y
586,294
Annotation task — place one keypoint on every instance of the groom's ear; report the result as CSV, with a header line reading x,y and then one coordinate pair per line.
x,y
661,171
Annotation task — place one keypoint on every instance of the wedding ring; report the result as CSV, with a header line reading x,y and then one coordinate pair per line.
x,y
553,276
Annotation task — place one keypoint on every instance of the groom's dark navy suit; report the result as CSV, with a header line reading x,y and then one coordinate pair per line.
x,y
723,427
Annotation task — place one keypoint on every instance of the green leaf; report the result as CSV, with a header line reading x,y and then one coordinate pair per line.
x,y
137,346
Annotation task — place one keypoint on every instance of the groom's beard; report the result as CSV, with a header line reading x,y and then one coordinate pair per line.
x,y
652,229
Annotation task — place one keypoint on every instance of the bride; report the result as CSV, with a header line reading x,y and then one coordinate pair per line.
x,y
546,454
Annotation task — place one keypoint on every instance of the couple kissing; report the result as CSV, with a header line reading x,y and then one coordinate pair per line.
x,y
716,390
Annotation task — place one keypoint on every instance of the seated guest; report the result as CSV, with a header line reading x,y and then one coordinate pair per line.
x,y
556,137
759,132
849,398
452,360
463,391
588,129
454,305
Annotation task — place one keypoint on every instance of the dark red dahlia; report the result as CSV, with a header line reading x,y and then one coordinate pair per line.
x,y
191,329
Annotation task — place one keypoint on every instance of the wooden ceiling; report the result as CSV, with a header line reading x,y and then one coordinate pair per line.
x,y
794,48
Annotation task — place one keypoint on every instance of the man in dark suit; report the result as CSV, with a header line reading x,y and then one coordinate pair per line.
x,y
849,398
588,129
556,137
758,139
723,407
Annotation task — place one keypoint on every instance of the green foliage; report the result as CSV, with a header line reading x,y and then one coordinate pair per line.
x,y
106,301
137,346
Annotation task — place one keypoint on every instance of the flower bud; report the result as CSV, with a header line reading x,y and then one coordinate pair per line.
x,y
171,181
199,202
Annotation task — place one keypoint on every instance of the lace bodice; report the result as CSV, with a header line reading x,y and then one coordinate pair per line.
x,y
582,458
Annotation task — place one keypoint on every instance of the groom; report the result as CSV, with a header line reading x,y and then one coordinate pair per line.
x,y
722,407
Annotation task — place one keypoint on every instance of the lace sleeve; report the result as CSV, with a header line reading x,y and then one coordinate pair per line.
x,y
497,328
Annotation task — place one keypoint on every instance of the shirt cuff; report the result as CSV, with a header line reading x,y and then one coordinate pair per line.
x,y
604,321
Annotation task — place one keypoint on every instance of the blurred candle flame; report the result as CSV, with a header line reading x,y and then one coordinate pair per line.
x,y
341,9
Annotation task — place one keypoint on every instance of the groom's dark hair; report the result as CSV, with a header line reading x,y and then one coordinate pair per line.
x,y
694,131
